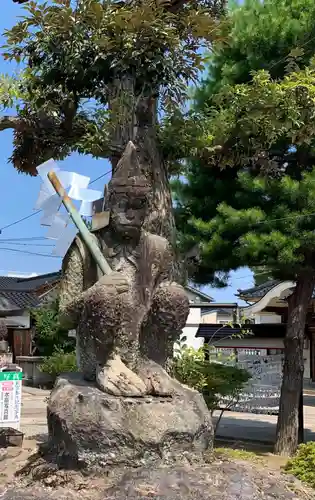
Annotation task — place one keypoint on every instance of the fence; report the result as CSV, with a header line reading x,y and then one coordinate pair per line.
x,y
262,393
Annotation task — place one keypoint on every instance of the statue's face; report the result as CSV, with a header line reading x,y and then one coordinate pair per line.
x,y
127,213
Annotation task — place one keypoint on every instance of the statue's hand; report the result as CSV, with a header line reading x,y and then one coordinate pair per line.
x,y
116,281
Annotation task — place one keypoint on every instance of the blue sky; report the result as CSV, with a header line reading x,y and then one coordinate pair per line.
x,y
19,193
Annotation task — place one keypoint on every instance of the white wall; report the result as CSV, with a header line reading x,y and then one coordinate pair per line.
x,y
191,328
267,318
22,321
210,317
214,317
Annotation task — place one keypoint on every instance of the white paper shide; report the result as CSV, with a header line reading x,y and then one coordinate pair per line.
x,y
60,227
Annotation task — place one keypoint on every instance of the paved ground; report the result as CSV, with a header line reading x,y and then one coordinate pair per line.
x,y
263,427
33,419
233,425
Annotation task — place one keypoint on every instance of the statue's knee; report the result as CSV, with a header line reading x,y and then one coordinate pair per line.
x,y
171,303
173,296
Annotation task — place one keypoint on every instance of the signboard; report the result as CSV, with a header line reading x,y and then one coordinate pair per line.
x,y
262,393
10,399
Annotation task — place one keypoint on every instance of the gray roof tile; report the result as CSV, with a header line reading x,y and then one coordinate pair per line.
x,y
15,301
260,290
19,293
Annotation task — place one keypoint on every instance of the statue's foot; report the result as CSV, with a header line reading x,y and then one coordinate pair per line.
x,y
157,380
117,379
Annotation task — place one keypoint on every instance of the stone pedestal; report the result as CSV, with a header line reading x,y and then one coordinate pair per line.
x,y
92,429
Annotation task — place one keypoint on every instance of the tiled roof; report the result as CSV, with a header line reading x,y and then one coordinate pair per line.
x,y
18,293
15,301
220,310
258,291
33,283
201,295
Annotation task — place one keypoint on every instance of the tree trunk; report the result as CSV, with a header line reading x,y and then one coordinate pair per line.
x,y
292,383
135,118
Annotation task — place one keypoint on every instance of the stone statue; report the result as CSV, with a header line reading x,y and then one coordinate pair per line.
x,y
136,312
124,405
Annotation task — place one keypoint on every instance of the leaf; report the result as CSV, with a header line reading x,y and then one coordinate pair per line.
x,y
296,52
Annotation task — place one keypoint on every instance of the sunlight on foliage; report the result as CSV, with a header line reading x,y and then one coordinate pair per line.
x,y
116,55
214,380
302,465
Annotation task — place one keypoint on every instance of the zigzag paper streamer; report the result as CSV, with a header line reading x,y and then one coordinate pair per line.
x,y
60,228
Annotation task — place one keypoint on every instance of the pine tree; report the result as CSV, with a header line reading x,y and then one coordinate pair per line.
x,y
248,198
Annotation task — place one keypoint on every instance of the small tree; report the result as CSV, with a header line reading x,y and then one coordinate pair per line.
x,y
49,335
59,362
216,381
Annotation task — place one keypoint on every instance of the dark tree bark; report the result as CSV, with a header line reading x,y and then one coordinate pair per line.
x,y
292,383
137,121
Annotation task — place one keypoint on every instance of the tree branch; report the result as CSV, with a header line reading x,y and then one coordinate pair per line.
x,y
9,122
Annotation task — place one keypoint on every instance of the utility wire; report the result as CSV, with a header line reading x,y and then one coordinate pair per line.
x,y
29,253
103,175
27,244
31,238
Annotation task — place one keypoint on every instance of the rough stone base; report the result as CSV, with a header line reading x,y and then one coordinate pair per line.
x,y
217,481
91,429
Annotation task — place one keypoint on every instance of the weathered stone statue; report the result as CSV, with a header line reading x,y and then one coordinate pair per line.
x,y
124,405
136,312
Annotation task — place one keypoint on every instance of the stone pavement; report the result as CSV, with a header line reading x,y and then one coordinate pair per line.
x,y
251,427
33,418
236,426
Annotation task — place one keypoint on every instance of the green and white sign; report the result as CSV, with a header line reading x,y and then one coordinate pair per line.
x,y
10,398
9,376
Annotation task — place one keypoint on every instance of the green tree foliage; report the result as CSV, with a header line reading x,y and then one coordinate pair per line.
x,y
262,211
59,362
90,64
248,197
49,335
276,36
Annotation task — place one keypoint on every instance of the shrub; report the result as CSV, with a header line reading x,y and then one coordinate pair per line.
x,y
49,335
59,362
302,465
215,380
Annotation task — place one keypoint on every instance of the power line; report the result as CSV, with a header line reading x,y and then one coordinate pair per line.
x,y
38,211
27,244
29,253
31,238
106,173
20,220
